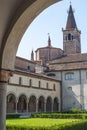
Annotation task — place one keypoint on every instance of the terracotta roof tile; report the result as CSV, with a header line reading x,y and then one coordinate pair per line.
x,y
75,61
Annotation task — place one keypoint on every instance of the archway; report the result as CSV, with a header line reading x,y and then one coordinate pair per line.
x,y
32,104
22,104
17,28
49,104
56,105
13,25
11,103
41,104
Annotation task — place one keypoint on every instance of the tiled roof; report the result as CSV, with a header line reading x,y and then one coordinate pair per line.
x,y
21,63
75,61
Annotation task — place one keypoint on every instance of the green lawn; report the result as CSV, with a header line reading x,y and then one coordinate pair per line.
x,y
40,123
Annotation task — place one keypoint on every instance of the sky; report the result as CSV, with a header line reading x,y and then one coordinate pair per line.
x,y
51,21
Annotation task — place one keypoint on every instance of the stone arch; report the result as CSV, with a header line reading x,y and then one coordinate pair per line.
x,y
41,104
13,93
22,104
32,104
15,17
49,104
11,103
17,26
56,105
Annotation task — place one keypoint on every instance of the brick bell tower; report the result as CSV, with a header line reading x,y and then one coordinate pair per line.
x,y
71,35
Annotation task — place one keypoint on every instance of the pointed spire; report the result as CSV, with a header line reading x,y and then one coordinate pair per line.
x,y
49,41
71,23
32,56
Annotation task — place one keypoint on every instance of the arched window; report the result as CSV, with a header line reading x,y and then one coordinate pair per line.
x,y
69,36
69,76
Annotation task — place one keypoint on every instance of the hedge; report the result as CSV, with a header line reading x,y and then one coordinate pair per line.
x,y
59,115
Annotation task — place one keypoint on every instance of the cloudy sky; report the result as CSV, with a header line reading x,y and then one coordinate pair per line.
x,y
51,21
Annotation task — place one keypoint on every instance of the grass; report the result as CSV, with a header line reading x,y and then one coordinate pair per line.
x,y
40,124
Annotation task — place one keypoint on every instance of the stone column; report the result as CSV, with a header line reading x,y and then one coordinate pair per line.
x,y
16,105
37,105
52,106
45,106
4,76
27,107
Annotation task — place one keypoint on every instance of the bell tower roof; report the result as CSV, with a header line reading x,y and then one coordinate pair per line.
x,y
71,23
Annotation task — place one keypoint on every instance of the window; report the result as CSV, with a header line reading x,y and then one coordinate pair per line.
x,y
69,88
20,81
28,67
39,84
51,74
47,85
54,87
69,36
30,82
69,76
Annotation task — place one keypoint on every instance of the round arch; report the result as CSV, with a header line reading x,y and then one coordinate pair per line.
x,y
41,102
56,105
17,27
22,104
32,104
15,17
11,103
49,104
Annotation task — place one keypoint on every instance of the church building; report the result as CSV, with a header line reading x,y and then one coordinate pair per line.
x,y
71,67
55,81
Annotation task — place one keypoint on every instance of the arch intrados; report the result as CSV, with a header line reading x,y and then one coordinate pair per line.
x,y
56,99
16,31
32,96
22,95
11,93
49,97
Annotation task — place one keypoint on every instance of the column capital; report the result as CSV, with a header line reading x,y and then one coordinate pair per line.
x,y
5,75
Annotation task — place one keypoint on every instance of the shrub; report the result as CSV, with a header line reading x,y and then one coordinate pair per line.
x,y
77,110
59,115
12,116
